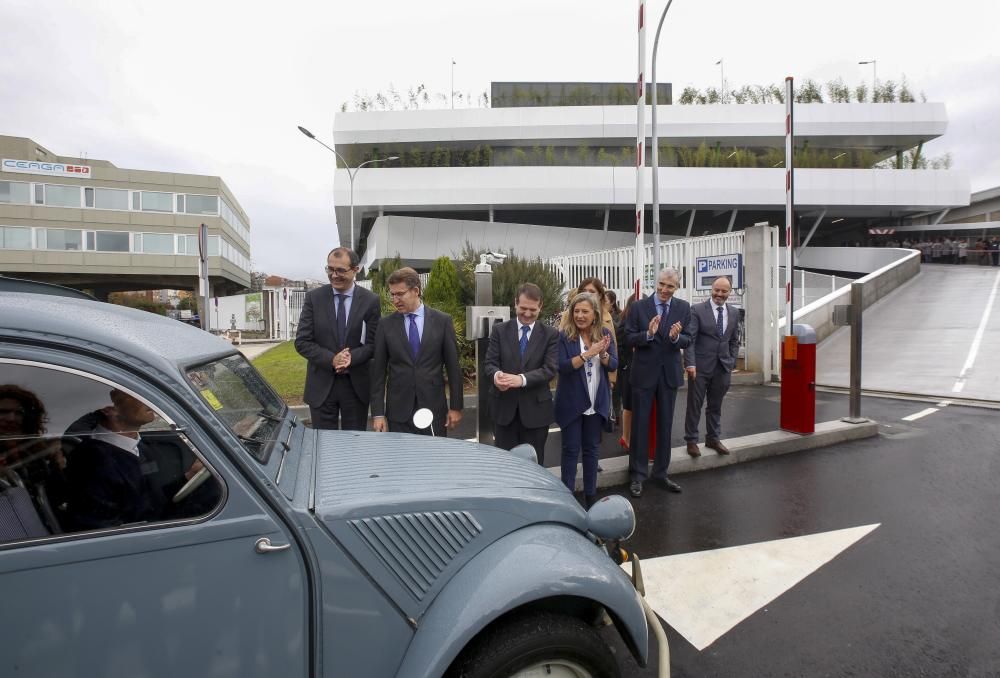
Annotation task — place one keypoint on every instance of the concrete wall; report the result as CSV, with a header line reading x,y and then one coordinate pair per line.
x,y
877,285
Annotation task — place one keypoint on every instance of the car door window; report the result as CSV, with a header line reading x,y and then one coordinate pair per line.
x,y
80,454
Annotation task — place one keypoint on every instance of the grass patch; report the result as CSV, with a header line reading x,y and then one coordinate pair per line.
x,y
285,370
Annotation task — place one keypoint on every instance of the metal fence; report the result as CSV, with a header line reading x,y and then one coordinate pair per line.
x,y
616,268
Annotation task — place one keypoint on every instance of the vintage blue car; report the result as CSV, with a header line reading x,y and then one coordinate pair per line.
x,y
163,513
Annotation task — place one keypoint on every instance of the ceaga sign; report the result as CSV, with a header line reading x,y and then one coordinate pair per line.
x,y
52,169
710,268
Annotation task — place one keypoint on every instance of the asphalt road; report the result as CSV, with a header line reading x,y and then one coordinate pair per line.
x,y
913,591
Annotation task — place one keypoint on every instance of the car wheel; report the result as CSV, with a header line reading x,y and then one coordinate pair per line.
x,y
537,644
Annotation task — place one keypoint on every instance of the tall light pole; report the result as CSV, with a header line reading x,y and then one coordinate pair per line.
x,y
722,80
453,83
351,172
874,64
656,153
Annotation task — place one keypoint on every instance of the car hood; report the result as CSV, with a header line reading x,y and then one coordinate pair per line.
x,y
412,510
359,474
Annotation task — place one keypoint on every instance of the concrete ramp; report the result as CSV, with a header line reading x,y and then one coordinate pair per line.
x,y
938,335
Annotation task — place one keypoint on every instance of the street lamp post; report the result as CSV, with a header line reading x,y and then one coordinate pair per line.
x,y
351,172
656,153
874,64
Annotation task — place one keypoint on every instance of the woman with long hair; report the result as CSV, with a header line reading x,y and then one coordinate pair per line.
x,y
583,395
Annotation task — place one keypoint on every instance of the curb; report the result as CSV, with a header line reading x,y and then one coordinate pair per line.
x,y
744,449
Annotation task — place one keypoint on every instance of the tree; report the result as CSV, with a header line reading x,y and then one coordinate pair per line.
x,y
187,304
509,275
443,291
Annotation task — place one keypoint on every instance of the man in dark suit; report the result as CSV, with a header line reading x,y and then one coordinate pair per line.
x,y
709,360
336,336
412,346
654,329
523,357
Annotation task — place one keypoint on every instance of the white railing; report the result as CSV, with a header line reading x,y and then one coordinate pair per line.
x,y
616,267
809,287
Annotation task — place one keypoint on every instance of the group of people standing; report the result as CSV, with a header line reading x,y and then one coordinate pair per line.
x,y
984,251
396,364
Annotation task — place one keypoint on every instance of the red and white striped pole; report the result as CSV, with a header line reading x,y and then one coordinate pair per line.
x,y
789,208
640,146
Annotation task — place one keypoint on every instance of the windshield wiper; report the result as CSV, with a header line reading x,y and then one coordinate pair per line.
x,y
266,415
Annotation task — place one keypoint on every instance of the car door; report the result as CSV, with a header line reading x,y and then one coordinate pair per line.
x,y
183,592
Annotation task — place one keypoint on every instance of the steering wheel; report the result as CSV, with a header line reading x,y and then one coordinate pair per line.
x,y
191,485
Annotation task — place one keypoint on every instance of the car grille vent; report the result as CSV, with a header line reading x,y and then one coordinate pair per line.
x,y
417,547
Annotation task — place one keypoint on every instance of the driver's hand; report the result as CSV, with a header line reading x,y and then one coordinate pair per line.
x,y
195,467
379,424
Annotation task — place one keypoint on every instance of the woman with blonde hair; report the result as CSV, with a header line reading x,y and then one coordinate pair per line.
x,y
583,395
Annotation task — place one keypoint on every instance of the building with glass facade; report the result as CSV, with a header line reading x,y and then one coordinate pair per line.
x,y
550,169
88,224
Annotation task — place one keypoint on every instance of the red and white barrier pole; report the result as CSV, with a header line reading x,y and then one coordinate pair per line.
x,y
640,146
789,207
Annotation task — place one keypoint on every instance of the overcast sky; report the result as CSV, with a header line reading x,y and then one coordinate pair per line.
x,y
218,87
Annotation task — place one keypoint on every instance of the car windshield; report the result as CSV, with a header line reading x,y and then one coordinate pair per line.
x,y
243,400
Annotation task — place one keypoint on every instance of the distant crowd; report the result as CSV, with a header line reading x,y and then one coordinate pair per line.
x,y
946,250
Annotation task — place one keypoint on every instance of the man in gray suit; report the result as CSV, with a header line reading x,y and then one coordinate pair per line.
x,y
709,360
523,357
412,347
336,336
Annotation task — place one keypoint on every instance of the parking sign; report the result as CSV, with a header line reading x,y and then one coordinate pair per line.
x,y
709,268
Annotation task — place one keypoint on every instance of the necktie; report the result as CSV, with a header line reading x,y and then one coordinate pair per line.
x,y
524,339
664,312
414,335
342,319
718,320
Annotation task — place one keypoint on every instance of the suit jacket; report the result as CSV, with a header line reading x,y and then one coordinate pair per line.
x,y
659,357
532,402
316,340
708,351
400,384
572,395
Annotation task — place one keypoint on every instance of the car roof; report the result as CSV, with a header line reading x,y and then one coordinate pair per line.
x,y
150,338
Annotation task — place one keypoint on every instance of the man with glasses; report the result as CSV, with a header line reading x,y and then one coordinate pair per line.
x,y
336,336
412,347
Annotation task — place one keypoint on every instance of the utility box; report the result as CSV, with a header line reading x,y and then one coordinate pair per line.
x,y
479,320
798,380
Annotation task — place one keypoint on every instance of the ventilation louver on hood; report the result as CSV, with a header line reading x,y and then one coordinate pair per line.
x,y
417,547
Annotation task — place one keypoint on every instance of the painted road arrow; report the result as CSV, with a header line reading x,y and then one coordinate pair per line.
x,y
703,595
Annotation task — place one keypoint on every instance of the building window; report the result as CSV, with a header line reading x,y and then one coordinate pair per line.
x,y
112,241
60,239
15,191
39,194
187,244
213,246
62,196
154,243
199,204
110,198
14,238
156,202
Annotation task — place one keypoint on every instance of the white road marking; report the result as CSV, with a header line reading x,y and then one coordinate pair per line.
x,y
920,414
703,595
944,403
978,339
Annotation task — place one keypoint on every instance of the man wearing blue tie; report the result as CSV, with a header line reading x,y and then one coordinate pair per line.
x,y
709,360
523,357
414,348
654,329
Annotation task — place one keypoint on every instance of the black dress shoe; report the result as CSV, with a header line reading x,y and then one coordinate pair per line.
x,y
635,488
669,485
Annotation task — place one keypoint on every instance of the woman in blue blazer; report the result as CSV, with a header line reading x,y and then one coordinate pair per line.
x,y
583,395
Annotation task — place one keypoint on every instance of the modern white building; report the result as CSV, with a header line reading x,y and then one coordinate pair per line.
x,y
549,180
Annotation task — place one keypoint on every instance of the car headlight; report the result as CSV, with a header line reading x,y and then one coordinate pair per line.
x,y
611,518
